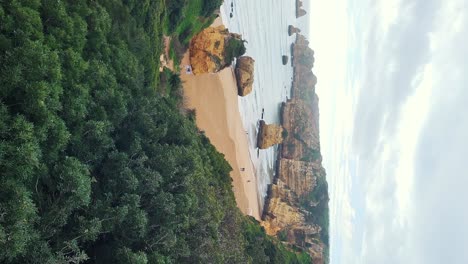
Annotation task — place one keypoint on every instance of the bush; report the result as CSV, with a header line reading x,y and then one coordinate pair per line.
x,y
234,49
209,6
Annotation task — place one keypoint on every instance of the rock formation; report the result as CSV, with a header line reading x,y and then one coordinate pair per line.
x,y
299,176
284,214
304,80
208,50
299,10
244,75
296,208
269,135
285,59
292,30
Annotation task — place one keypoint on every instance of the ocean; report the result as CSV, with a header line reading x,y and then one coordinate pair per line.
x,y
264,25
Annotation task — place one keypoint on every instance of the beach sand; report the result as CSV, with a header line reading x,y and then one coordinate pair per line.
x,y
214,97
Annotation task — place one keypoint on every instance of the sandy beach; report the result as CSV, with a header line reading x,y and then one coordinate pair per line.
x,y
214,97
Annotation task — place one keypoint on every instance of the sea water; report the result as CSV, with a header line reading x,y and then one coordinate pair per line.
x,y
264,25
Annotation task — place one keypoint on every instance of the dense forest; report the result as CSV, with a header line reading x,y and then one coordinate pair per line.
x,y
98,161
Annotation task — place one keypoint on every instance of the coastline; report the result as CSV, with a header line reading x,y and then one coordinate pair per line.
x,y
215,100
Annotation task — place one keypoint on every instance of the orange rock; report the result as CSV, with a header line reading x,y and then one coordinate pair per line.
x,y
269,135
207,50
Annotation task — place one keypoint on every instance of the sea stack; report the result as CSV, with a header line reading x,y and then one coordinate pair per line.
x,y
269,135
299,10
244,75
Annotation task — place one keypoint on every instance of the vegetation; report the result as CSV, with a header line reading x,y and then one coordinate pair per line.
x,y
264,249
234,49
316,202
98,164
185,18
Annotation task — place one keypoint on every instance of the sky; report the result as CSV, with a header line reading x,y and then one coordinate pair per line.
x,y
392,77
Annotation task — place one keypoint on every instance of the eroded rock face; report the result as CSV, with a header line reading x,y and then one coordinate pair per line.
x,y
207,50
302,53
280,210
244,75
299,176
302,125
292,30
269,135
283,214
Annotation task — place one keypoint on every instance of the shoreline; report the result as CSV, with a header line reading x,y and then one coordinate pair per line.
x,y
215,100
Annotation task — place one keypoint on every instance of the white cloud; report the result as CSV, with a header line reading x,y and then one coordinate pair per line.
x,y
383,230
412,119
388,12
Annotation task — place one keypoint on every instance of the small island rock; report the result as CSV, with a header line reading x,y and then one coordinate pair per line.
x,y
269,135
244,75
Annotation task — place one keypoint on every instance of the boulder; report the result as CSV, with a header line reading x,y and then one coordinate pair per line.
x,y
285,59
244,75
269,135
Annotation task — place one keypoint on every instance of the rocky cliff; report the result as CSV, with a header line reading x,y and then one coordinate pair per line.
x,y
269,135
302,125
244,75
299,176
208,50
296,208
283,214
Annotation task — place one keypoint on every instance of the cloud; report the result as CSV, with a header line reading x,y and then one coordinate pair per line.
x,y
405,127
391,61
404,189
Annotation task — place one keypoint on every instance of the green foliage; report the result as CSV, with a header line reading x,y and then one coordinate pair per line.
x,y
186,18
95,164
283,235
234,49
316,202
311,154
264,249
209,6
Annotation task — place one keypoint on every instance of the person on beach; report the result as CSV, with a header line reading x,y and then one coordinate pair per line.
x,y
188,69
